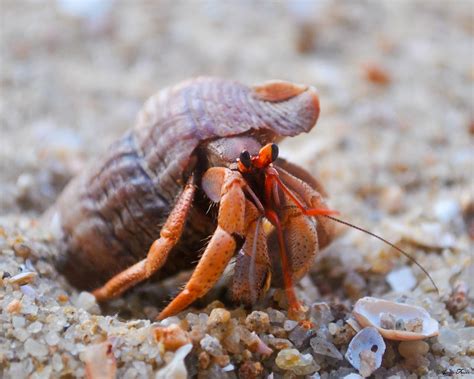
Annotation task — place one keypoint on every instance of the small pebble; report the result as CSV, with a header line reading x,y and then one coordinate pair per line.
x,y
400,324
292,360
258,322
289,325
353,376
204,360
387,320
278,331
250,370
376,74
57,362
18,322
62,298
172,337
22,250
275,316
28,291
320,313
211,345
279,343
14,306
414,325
218,316
326,348
408,349
333,328
35,327
52,338
344,334
458,300
35,348
301,335
402,279
447,210
354,285
86,301
223,361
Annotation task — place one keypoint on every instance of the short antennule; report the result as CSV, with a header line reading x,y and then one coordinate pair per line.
x,y
388,243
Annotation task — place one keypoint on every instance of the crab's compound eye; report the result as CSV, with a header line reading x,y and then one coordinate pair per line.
x,y
274,152
245,159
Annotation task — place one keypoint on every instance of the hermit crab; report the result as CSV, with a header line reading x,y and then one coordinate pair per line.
x,y
146,208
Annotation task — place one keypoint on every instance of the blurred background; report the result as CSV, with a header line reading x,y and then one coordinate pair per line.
x,y
395,82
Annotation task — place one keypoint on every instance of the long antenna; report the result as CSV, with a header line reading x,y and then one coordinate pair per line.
x,y
388,243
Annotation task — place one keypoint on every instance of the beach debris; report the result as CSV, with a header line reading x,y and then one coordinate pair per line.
x,y
14,306
299,364
395,321
320,313
172,337
409,349
23,278
324,347
365,351
176,368
87,301
100,361
257,321
458,300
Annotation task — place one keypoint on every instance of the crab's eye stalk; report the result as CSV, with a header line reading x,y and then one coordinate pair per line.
x,y
245,161
266,155
274,149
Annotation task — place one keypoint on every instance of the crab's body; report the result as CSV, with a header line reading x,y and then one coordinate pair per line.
x,y
151,193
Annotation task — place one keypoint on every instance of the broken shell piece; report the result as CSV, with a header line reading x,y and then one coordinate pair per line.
x,y
176,367
366,350
23,278
411,322
100,361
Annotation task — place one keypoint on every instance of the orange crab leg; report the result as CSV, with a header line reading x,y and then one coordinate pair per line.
x,y
272,174
217,255
294,305
225,186
158,253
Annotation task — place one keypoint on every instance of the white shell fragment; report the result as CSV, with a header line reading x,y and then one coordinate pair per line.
x,y
395,321
176,367
23,278
100,361
366,350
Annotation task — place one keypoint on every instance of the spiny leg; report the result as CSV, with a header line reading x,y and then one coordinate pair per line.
x,y
294,306
301,240
311,194
271,180
252,274
158,253
217,255
227,186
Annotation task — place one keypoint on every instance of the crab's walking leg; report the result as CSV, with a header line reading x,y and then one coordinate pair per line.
x,y
252,273
159,250
294,306
311,195
226,186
